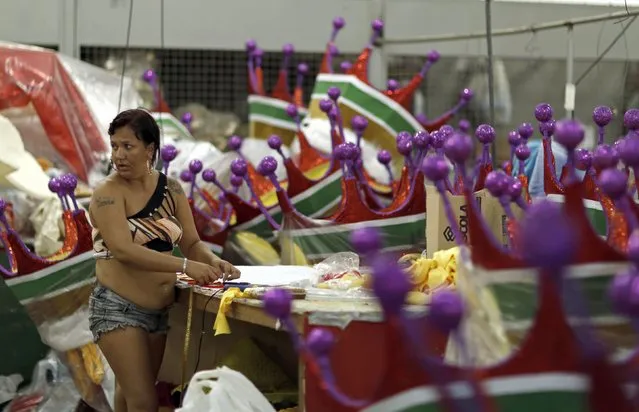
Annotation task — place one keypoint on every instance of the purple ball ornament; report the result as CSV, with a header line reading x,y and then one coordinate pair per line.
x,y
435,168
485,133
334,93
350,151
464,126
547,238
466,95
303,69
522,152
54,185
422,139
569,133
187,118
514,139
340,152
345,66
631,120
390,284
438,139
543,112
68,182
209,175
624,292
186,176
613,182
547,129
325,105
291,111
629,151
288,49
602,116
366,241
604,157
236,181
392,85
377,25
497,183
384,157
278,303
403,135
235,142
195,166
514,189
239,167
319,342
168,153
433,56
339,23
446,310
458,148
526,131
274,142
150,76
267,166
250,46
405,147
258,53
359,124
583,159
447,130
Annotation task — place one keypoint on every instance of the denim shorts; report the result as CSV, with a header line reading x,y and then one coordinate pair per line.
x,y
109,311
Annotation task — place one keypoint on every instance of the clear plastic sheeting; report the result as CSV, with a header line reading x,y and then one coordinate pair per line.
x,y
502,306
61,105
307,241
101,91
339,277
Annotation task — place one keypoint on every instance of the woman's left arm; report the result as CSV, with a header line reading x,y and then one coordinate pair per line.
x,y
191,245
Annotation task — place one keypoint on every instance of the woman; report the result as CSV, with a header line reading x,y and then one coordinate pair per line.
x,y
139,215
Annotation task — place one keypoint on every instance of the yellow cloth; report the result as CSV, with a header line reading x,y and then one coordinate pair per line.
x,y
221,325
429,273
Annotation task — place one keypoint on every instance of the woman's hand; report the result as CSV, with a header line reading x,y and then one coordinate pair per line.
x,y
203,273
226,270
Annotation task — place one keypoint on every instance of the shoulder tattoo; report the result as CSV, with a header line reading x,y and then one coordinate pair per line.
x,y
175,187
102,201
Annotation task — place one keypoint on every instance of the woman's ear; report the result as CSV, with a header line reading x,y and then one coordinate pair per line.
x,y
150,149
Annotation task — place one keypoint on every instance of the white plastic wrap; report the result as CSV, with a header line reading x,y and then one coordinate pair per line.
x,y
49,227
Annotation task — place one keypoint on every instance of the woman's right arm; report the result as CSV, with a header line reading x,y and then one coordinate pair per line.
x,y
109,215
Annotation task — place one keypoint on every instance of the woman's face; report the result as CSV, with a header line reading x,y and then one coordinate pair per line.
x,y
130,156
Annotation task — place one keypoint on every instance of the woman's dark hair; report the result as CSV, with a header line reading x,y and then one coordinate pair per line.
x,y
143,126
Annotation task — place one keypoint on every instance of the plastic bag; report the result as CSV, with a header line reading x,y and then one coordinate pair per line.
x,y
223,390
339,277
51,389
9,387
340,271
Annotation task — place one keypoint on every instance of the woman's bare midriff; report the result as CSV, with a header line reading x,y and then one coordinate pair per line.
x,y
151,290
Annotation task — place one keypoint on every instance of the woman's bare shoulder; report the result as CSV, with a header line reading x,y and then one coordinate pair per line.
x,y
107,191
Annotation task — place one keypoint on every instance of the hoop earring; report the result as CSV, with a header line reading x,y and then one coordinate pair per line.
x,y
149,169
